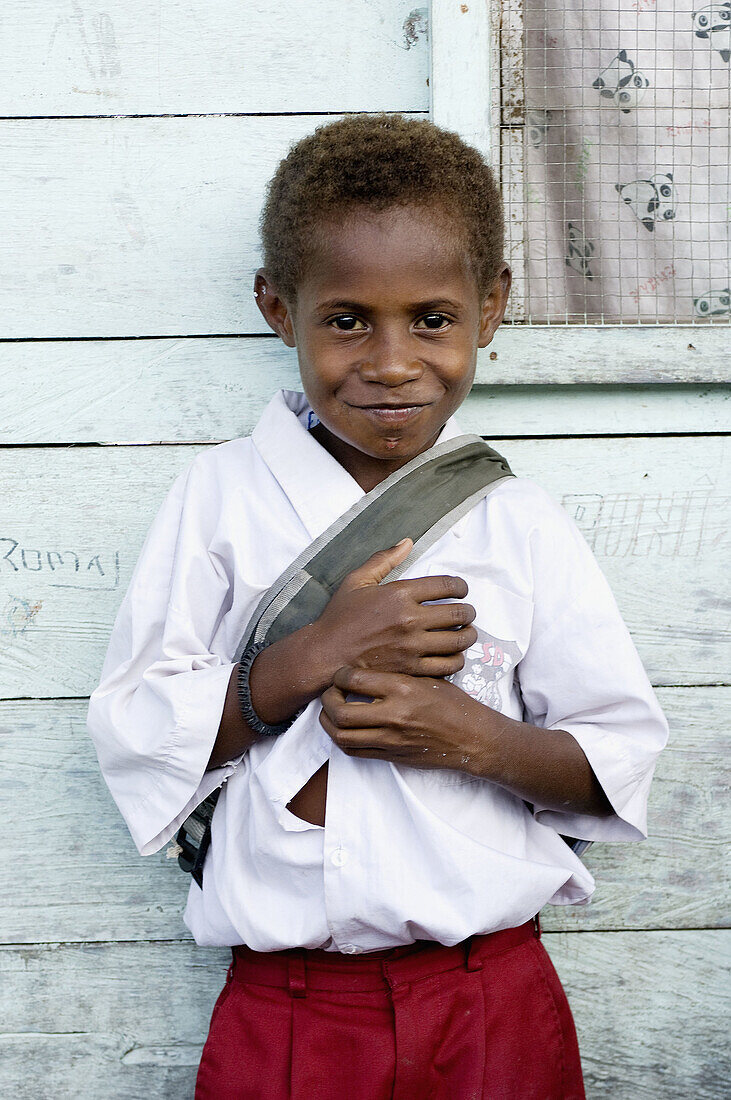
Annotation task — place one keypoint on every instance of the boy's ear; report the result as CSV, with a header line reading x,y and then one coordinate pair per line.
x,y
275,310
494,306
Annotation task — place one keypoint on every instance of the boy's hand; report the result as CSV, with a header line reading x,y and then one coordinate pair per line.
x,y
423,722
391,627
427,723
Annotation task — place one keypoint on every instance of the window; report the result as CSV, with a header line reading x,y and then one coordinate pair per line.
x,y
614,151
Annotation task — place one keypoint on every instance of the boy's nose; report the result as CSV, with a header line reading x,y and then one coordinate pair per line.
x,y
391,373
391,364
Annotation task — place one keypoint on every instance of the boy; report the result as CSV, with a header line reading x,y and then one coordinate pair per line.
x,y
377,865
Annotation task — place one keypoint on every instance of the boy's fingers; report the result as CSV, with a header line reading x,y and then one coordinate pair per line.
x,y
343,712
338,712
378,566
357,741
439,667
446,642
364,681
332,698
422,589
350,716
371,741
447,616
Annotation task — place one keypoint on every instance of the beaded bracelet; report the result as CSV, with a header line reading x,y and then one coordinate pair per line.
x,y
252,719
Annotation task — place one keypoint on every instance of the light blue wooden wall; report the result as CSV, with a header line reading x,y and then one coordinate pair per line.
x,y
136,142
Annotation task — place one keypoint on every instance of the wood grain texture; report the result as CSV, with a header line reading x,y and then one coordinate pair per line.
x,y
73,849
462,74
110,232
145,57
136,227
132,1018
655,512
146,227
206,390
632,354
513,192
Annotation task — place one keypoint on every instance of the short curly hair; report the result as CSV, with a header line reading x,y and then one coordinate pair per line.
x,y
378,161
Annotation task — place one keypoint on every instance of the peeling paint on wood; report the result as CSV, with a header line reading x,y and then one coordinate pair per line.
x,y
142,57
415,25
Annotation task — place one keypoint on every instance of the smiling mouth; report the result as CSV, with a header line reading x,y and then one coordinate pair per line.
x,y
390,414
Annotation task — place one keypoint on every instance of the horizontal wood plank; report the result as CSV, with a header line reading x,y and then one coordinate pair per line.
x,y
110,232
632,354
655,512
136,227
132,1018
147,391
596,410
144,57
74,848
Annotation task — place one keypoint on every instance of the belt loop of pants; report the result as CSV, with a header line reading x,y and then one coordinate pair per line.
x,y
296,976
472,962
478,948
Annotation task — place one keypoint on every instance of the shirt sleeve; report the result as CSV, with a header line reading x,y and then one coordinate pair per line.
x,y
582,673
155,713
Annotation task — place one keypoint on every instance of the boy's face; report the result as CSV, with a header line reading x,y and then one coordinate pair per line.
x,y
387,325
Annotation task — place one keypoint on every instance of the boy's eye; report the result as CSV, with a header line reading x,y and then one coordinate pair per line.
x,y
435,321
346,322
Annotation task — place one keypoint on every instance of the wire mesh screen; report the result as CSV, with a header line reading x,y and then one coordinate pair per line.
x,y
615,137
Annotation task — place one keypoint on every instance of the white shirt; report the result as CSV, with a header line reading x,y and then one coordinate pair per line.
x,y
406,853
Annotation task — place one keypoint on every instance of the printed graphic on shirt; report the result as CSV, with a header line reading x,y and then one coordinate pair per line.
x,y
487,663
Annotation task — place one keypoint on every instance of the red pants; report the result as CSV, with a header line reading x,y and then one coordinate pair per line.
x,y
486,1019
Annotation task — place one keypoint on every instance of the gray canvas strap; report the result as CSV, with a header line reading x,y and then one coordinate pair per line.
x,y
422,500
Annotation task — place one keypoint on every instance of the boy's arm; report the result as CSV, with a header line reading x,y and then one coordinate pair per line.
x,y
390,626
165,675
166,693
541,766
276,693
430,723
591,721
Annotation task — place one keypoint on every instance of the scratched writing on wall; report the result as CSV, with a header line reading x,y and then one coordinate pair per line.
x,y
681,524
59,568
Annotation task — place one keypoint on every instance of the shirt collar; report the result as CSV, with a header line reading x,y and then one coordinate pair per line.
x,y
318,487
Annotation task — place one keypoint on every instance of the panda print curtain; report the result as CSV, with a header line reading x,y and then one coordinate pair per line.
x,y
626,199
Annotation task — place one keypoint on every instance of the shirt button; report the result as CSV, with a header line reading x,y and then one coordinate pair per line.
x,y
350,949
339,857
